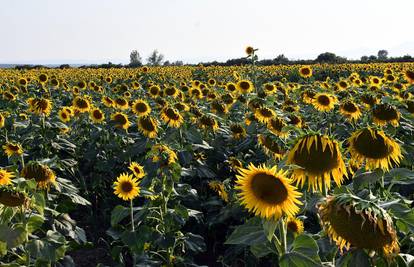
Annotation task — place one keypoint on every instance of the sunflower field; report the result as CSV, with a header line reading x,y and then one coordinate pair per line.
x,y
250,165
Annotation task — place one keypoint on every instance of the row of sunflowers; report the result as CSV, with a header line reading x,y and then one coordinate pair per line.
x,y
208,166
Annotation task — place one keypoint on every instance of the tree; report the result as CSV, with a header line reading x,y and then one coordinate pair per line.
x,y
382,54
281,59
155,59
327,57
364,58
135,59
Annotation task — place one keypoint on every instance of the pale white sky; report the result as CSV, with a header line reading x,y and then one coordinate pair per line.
x,y
98,31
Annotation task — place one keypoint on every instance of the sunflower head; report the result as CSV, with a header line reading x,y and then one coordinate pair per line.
x,y
374,148
137,169
148,126
350,110
270,147
5,177
319,158
12,149
121,120
208,122
385,113
352,221
42,174
12,198
218,187
141,108
249,50
294,225
172,117
305,71
245,86
96,115
267,192
81,104
237,131
324,101
264,114
126,187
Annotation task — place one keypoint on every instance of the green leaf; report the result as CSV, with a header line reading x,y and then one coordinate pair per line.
x,y
262,249
194,242
248,234
34,223
13,237
118,214
405,216
39,202
359,258
306,245
366,178
296,259
269,227
44,250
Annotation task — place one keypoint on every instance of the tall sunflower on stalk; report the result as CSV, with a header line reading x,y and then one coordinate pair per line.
x,y
354,222
126,187
318,158
267,192
374,148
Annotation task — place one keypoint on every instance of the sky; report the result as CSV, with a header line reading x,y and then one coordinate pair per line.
x,y
98,31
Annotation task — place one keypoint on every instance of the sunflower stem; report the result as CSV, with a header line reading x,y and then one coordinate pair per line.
x,y
324,190
278,245
283,235
132,215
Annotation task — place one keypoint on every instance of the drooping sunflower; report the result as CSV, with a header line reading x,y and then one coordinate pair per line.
x,y
275,126
172,117
42,174
267,192
96,115
350,110
163,154
121,103
270,147
137,169
81,104
351,221
374,148
141,108
11,197
294,225
121,120
385,113
305,71
5,177
237,131
324,102
126,187
234,163
264,114
148,126
244,86
11,149
218,187
319,158
207,122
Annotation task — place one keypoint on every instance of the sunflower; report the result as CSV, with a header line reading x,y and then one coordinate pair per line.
x,y
351,221
385,113
2,120
96,115
342,85
64,116
171,91
319,158
295,120
369,99
234,163
81,104
305,71
137,169
121,103
164,154
244,86
126,187
269,88
172,117
154,91
5,177
249,50
208,122
40,106
237,131
409,76
42,174
275,126
324,102
350,110
43,78
409,106
294,225
196,93
148,126
231,87
264,114
11,149
121,120
12,198
374,148
270,147
107,101
267,192
218,187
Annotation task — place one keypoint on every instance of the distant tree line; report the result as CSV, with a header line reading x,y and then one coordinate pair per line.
x,y
157,59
